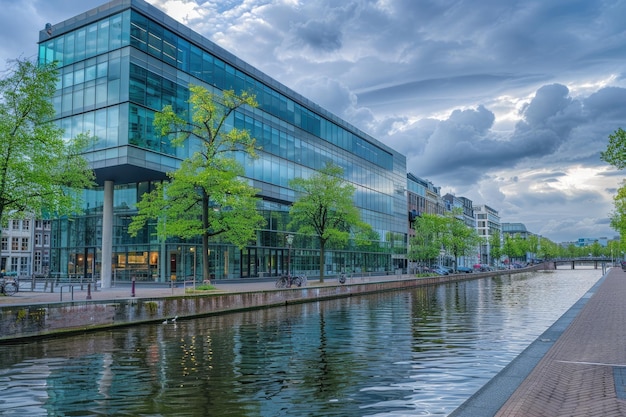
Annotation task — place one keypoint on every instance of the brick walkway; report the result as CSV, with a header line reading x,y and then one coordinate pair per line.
x,y
584,372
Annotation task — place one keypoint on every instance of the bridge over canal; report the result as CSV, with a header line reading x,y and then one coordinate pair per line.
x,y
599,261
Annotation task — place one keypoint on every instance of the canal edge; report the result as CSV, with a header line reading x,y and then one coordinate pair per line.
x,y
492,396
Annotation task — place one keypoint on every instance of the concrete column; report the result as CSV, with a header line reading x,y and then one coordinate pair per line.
x,y
107,234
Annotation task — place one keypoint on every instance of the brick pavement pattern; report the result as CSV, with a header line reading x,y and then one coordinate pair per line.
x,y
576,376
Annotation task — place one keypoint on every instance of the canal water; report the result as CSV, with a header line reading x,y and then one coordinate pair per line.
x,y
419,352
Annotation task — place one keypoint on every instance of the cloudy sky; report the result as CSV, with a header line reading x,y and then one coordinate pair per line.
x,y
508,103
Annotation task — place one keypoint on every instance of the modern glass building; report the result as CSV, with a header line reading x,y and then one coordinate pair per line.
x,y
126,60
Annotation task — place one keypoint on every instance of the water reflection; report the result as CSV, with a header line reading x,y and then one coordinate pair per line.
x,y
418,352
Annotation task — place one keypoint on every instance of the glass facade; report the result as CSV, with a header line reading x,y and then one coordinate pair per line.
x,y
124,61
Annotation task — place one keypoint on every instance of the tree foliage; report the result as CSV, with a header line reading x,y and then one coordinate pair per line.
x,y
40,172
428,240
324,208
435,233
459,239
615,153
495,247
207,195
618,216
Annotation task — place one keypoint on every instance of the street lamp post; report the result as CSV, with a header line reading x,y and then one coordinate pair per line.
x,y
193,250
289,242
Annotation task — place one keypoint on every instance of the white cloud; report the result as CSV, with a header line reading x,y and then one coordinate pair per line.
x,y
506,103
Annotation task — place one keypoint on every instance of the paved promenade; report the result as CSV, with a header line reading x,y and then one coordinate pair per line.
x,y
577,368
123,291
584,373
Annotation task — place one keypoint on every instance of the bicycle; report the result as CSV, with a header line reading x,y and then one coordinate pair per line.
x,y
8,287
286,281
300,281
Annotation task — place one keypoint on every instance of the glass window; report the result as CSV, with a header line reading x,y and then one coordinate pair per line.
x,y
169,48
115,32
101,70
207,67
182,54
137,122
68,77
113,92
101,94
49,51
91,41
68,49
155,40
59,47
125,196
79,76
153,91
25,243
5,243
195,63
103,36
66,104
113,127
79,44
15,243
100,128
137,90
139,32
90,72
56,102
90,96
77,99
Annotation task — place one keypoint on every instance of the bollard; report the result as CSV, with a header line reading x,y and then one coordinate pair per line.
x,y
89,291
132,287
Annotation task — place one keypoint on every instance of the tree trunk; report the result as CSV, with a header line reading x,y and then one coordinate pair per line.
x,y
322,244
206,275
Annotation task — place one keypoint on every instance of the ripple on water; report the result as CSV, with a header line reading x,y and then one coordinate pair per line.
x,y
409,353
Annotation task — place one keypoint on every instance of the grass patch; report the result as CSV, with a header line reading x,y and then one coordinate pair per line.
x,y
201,288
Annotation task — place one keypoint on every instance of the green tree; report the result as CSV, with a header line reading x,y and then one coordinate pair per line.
x,y
595,249
459,239
533,245
515,247
428,239
207,195
495,248
40,172
547,249
618,215
615,153
324,208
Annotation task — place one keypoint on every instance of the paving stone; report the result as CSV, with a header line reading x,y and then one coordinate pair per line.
x,y
584,372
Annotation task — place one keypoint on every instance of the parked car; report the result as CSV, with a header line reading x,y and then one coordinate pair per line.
x,y
464,269
439,271
482,268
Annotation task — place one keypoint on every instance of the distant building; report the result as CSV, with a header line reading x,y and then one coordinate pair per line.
x,y
25,247
516,229
487,225
466,205
16,247
41,248
587,241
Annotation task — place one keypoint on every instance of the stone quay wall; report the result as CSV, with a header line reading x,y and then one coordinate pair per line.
x,y
20,322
